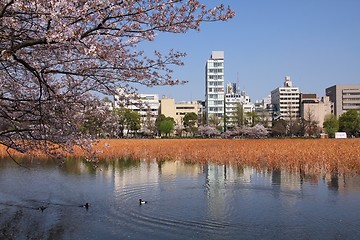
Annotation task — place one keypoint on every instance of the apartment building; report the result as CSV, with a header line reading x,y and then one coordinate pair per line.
x,y
344,97
285,101
214,85
147,105
263,109
234,100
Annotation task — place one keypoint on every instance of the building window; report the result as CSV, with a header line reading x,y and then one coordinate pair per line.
x,y
185,107
148,98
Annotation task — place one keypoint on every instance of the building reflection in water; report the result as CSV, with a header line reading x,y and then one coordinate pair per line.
x,y
217,177
219,180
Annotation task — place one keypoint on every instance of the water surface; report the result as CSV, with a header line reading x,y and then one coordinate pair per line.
x,y
185,201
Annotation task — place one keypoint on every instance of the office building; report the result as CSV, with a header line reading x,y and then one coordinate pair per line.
x,y
285,101
344,97
169,108
263,109
146,105
313,109
214,86
236,103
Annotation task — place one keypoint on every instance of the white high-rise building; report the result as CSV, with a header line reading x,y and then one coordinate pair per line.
x,y
286,101
214,85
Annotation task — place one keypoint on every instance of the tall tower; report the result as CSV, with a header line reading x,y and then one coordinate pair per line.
x,y
214,85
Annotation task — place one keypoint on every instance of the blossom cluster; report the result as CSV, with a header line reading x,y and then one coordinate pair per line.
x,y
56,54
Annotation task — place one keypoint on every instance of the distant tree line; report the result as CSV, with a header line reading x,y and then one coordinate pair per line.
x,y
125,123
348,122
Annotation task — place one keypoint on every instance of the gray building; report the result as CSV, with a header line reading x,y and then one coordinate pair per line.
x,y
344,97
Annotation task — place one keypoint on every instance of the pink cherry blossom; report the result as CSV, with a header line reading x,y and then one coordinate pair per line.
x,y
56,55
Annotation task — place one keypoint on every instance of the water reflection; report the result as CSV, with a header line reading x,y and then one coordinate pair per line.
x,y
191,201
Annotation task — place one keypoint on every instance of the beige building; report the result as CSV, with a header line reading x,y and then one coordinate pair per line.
x,y
169,108
344,97
314,109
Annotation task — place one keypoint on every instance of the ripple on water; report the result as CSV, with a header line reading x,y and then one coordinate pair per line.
x,y
182,204
173,208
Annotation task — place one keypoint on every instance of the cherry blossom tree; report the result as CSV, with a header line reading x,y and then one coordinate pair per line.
x,y
208,131
57,55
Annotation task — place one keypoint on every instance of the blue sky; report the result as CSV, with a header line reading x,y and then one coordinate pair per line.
x,y
316,42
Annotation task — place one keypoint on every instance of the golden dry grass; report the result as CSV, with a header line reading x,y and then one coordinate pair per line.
x,y
308,155
315,155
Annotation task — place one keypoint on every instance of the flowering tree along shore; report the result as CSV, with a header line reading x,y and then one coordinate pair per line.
x,y
55,55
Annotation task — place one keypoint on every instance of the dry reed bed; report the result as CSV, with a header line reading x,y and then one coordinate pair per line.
x,y
308,155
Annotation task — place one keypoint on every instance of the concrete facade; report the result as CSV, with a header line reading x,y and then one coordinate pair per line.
x,y
182,108
344,97
314,109
263,109
214,85
233,101
285,101
146,105
169,108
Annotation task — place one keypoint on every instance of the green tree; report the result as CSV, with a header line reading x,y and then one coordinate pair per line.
x,y
158,121
190,121
331,125
120,117
92,125
215,121
252,118
349,122
239,115
164,124
126,119
132,121
167,126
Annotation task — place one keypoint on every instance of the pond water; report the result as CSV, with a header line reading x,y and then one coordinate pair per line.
x,y
184,201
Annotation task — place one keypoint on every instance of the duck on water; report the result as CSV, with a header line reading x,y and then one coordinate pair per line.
x,y
86,205
142,201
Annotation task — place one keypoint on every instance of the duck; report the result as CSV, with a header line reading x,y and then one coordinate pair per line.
x,y
142,201
42,208
86,205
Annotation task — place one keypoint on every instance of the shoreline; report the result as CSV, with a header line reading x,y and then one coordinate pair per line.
x,y
308,155
340,155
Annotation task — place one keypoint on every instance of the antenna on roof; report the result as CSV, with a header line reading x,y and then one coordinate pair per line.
x,y
237,83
